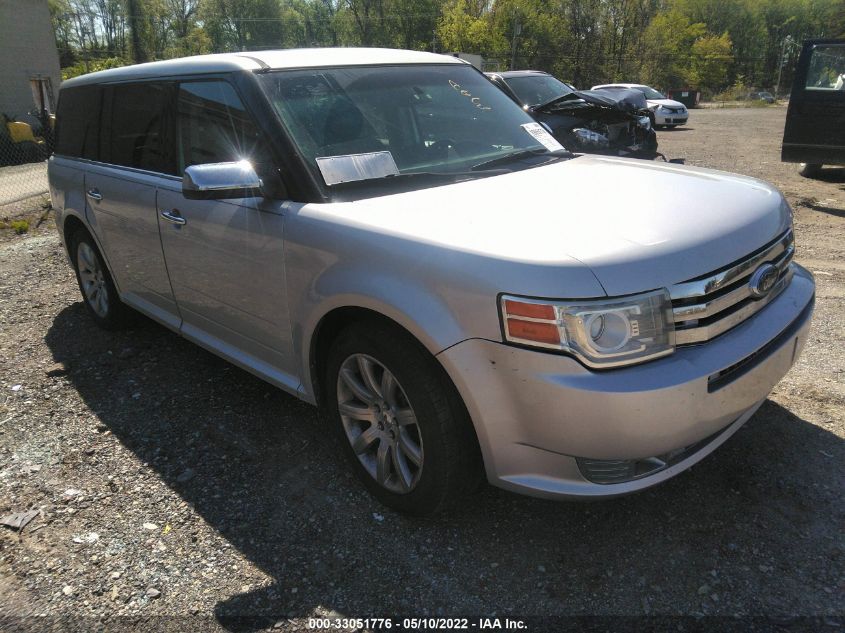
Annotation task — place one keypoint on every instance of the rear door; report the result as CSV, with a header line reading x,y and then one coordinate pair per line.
x,y
133,158
815,120
226,257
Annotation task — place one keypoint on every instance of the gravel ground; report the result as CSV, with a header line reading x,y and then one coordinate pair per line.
x,y
170,483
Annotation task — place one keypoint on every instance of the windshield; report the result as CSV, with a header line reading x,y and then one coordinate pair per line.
x,y
650,93
380,122
537,89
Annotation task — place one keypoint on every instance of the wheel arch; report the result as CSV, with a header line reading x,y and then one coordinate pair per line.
x,y
73,223
338,319
332,323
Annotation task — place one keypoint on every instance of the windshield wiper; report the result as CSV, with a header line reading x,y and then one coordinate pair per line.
x,y
421,175
523,153
436,174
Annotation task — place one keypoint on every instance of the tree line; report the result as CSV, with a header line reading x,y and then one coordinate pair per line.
x,y
712,45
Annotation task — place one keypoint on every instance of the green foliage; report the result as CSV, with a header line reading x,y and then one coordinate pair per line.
x,y
738,91
705,44
90,66
709,63
461,30
19,226
669,40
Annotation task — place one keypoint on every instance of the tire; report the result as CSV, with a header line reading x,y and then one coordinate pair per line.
x,y
414,446
809,170
95,283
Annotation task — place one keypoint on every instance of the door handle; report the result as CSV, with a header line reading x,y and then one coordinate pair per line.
x,y
94,194
172,215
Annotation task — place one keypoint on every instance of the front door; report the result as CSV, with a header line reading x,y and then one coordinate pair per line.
x,y
226,257
815,120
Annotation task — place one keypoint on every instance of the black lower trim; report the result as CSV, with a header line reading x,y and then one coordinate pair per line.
x,y
729,374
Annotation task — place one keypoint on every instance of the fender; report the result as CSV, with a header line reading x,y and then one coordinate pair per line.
x,y
421,313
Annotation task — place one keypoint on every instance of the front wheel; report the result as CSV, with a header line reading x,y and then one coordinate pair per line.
x,y
809,170
399,420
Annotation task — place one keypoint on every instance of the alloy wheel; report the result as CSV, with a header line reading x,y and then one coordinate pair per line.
x,y
380,423
92,279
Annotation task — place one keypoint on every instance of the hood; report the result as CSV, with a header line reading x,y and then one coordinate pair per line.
x,y
665,102
624,100
637,225
627,100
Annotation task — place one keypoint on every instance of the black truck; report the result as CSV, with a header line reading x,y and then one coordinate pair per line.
x,y
814,134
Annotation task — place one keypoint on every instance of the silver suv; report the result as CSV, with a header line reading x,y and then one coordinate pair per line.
x,y
386,235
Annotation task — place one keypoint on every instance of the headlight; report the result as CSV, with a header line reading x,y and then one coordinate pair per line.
x,y
600,333
644,122
588,137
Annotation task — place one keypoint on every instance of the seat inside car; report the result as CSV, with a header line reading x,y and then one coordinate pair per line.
x,y
346,131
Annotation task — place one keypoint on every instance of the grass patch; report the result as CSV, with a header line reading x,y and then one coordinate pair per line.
x,y
19,226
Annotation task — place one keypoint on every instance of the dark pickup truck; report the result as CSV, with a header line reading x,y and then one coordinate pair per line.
x,y
814,134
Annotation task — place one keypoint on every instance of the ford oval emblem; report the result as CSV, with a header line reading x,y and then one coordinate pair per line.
x,y
763,280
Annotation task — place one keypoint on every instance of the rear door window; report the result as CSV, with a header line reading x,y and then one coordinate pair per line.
x,y
134,126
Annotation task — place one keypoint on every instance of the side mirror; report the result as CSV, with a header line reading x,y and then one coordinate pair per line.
x,y
214,181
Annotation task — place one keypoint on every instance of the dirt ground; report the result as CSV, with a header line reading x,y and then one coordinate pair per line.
x,y
169,483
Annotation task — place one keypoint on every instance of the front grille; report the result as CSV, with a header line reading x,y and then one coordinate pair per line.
x,y
708,306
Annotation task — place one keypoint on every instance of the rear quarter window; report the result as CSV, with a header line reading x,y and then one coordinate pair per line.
x,y
78,121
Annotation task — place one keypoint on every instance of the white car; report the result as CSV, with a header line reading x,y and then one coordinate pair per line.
x,y
666,111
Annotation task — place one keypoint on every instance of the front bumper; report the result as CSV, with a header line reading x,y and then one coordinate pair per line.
x,y
537,414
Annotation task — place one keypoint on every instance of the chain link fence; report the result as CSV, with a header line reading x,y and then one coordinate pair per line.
x,y
24,148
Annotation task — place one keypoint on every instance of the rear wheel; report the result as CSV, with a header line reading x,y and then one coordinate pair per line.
x,y
399,420
95,283
809,170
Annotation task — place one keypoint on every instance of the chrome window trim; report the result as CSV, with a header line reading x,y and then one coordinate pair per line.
x,y
135,170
